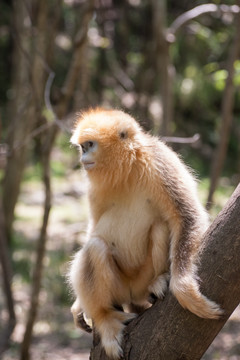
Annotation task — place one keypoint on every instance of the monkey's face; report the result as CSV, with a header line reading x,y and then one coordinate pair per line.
x,y
106,139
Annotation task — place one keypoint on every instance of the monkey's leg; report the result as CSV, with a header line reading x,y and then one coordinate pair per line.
x,y
101,287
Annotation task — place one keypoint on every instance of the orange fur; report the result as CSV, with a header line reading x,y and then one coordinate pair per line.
x,y
146,222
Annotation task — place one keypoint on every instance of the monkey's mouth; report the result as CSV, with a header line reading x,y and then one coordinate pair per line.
x,y
88,165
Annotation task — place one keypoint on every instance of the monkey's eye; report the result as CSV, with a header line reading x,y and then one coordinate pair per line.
x,y
90,144
123,135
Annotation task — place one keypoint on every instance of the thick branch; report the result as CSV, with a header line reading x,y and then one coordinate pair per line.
x,y
169,331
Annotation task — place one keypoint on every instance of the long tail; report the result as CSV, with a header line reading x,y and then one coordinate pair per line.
x,y
186,290
184,281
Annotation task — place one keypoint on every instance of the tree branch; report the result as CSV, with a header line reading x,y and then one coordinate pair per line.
x,y
198,11
181,140
169,331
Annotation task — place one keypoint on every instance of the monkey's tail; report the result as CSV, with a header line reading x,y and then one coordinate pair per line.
x,y
186,290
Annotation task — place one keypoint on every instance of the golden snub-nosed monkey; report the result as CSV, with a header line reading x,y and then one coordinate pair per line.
x,y
146,226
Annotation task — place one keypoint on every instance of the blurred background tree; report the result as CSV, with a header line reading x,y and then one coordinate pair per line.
x,y
173,65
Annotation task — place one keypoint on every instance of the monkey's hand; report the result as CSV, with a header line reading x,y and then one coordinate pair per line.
x,y
79,317
83,323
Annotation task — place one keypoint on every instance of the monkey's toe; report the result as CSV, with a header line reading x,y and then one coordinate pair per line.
x,y
152,298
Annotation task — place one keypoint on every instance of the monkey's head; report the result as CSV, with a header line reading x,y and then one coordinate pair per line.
x,y
108,141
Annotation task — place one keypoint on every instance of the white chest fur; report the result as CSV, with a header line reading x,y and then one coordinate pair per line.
x,y
125,225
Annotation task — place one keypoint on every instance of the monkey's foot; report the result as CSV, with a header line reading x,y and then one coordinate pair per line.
x,y
129,318
159,286
111,330
112,345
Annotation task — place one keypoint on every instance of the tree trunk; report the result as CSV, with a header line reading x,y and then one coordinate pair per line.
x,y
164,65
28,89
166,330
38,269
20,112
227,114
7,277
76,61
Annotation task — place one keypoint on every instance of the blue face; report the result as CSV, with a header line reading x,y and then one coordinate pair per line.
x,y
89,148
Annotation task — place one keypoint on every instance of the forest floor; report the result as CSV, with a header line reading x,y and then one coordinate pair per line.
x,y
55,337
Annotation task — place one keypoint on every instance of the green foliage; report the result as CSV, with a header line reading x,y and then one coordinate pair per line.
x,y
237,73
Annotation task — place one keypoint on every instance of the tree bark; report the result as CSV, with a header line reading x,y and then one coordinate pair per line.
x,y
166,330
